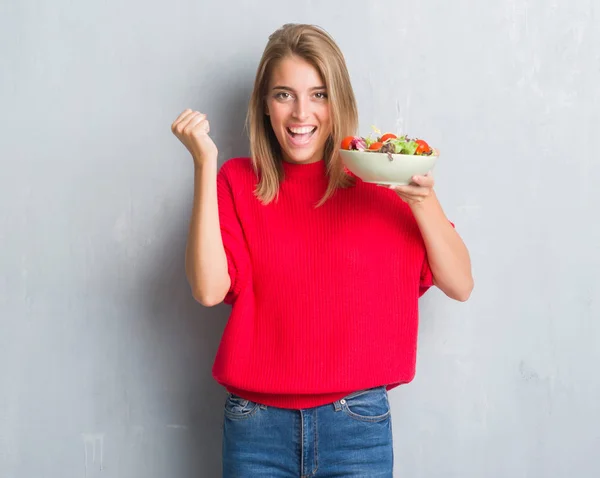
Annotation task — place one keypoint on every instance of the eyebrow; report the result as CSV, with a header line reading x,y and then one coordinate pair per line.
x,y
287,88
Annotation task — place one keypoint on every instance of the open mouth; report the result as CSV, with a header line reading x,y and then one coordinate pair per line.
x,y
300,139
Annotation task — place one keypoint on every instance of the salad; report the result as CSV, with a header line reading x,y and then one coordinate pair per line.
x,y
387,143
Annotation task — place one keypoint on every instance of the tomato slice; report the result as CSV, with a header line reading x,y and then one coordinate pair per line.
x,y
422,147
387,136
375,146
346,142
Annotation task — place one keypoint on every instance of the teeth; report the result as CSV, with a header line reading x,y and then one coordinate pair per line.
x,y
303,130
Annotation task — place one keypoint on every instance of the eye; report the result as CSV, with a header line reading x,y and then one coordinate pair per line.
x,y
282,95
321,95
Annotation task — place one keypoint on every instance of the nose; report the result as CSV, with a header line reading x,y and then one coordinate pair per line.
x,y
301,108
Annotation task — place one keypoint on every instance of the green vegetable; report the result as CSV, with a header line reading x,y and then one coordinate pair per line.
x,y
403,145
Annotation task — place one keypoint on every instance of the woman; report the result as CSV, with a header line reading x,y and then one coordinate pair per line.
x,y
322,270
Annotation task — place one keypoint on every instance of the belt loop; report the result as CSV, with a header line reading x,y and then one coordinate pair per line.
x,y
337,405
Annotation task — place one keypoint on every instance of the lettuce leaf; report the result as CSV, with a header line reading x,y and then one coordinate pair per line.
x,y
403,145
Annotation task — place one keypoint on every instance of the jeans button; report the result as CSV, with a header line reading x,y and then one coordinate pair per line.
x,y
342,401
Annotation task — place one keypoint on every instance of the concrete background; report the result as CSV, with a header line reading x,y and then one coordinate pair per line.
x,y
105,358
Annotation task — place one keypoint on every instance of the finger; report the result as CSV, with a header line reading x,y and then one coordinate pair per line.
x,y
202,127
184,113
194,122
182,123
194,118
182,118
426,181
412,190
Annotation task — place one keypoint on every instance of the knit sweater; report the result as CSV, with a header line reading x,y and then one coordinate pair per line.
x,y
324,300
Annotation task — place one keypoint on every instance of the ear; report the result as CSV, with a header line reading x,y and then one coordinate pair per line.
x,y
267,109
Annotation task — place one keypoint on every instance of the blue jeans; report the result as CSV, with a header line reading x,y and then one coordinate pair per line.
x,y
351,437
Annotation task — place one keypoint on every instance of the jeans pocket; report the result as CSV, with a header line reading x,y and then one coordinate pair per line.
x,y
370,405
238,408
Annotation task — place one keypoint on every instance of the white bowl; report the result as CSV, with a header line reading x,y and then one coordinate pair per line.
x,y
378,168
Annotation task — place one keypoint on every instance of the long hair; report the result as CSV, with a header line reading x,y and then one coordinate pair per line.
x,y
317,47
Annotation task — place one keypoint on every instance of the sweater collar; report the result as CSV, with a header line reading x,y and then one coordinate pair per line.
x,y
304,171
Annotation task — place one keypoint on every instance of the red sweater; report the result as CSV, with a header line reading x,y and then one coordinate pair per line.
x,y
324,301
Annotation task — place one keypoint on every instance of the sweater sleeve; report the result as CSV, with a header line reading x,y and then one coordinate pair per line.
x,y
426,274
234,242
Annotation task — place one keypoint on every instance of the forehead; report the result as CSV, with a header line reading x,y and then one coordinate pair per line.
x,y
295,73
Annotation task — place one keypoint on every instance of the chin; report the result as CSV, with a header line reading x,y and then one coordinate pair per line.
x,y
304,155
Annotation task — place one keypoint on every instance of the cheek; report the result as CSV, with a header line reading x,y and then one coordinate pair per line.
x,y
324,115
277,114
326,122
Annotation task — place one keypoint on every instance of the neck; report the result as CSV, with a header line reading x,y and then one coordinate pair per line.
x,y
312,170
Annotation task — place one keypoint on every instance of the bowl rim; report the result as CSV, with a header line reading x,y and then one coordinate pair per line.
x,y
436,153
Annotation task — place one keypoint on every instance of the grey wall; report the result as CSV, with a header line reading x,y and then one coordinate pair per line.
x,y
105,358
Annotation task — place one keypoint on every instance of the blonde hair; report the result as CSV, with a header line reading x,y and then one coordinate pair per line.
x,y
317,47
